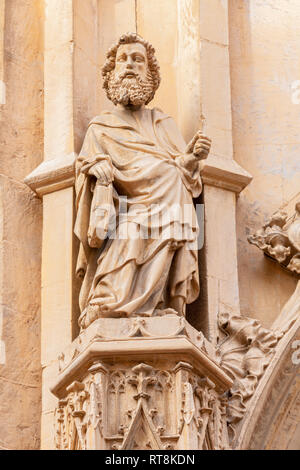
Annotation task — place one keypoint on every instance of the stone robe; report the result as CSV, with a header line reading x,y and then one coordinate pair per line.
x,y
132,274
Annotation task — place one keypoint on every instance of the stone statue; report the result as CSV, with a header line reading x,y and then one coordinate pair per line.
x,y
135,183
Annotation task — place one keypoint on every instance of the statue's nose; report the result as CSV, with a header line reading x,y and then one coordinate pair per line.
x,y
129,64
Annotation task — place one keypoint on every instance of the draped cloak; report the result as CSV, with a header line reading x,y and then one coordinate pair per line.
x,y
130,276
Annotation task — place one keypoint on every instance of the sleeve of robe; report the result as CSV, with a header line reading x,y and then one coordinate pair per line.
x,y
91,153
173,138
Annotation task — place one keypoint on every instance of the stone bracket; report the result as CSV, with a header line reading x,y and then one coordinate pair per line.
x,y
59,173
225,173
52,175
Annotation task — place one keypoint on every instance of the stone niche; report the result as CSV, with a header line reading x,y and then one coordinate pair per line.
x,y
141,383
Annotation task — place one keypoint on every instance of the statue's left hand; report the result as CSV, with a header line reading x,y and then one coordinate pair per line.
x,y
200,146
103,171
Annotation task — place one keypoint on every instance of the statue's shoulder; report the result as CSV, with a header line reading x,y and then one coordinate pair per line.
x,y
111,119
104,118
163,119
159,115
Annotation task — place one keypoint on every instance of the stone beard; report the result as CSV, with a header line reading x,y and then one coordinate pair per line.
x,y
130,91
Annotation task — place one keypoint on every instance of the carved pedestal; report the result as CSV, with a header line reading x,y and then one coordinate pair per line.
x,y
154,385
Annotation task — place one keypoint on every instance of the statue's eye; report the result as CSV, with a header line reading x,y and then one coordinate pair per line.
x,y
122,58
139,59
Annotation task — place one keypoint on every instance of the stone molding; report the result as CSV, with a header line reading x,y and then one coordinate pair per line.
x,y
225,173
260,425
131,336
52,175
59,173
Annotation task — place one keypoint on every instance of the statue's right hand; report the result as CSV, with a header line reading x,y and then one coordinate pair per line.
x,y
103,171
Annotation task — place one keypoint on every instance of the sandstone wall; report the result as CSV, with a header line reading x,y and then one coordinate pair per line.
x,y
21,143
264,53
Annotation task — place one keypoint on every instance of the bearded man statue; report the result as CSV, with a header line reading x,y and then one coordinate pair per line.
x,y
135,183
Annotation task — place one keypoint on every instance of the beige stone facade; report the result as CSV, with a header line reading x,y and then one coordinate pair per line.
x,y
227,375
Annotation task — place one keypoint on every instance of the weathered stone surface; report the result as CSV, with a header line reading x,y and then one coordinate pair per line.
x,y
264,47
279,238
21,141
140,384
20,369
21,129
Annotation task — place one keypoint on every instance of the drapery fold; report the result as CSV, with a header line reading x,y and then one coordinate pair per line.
x,y
132,273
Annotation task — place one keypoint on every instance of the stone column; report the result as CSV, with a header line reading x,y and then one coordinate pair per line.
x,y
223,178
21,102
2,102
53,181
2,22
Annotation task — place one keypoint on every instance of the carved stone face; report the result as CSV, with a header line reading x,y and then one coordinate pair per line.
x,y
131,82
131,61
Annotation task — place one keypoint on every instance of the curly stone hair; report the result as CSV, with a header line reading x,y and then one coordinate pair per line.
x,y
130,38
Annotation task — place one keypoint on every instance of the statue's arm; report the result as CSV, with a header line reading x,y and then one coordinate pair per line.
x,y
191,157
93,159
196,152
94,175
103,171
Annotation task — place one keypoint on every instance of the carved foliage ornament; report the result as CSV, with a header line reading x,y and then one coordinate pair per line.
x,y
245,353
280,239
